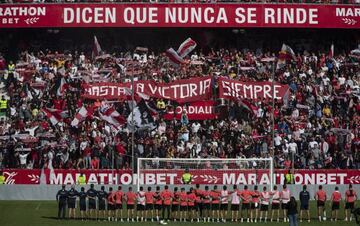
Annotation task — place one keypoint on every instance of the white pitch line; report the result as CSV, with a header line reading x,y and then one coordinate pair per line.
x,y
38,206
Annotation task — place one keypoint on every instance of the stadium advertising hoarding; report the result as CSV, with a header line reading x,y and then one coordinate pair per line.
x,y
161,176
180,15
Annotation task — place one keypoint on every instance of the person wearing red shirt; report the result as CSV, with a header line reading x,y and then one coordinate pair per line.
x,y
119,196
215,203
95,163
320,197
111,204
130,201
199,205
166,196
183,204
350,198
255,204
158,202
191,199
335,199
206,204
149,207
175,204
246,196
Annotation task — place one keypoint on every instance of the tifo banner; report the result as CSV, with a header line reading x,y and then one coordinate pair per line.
x,y
179,15
107,90
230,89
168,176
200,110
184,90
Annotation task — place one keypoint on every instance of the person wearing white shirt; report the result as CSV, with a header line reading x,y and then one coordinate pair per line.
x,y
313,143
195,127
293,147
235,204
23,159
324,146
140,208
277,140
224,203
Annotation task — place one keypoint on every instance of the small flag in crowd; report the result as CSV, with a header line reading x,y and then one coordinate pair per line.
x,y
286,54
249,106
81,115
53,116
110,115
62,87
174,57
96,48
143,117
177,57
355,54
186,47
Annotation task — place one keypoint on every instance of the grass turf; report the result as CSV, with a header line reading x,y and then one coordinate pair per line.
x,y
38,213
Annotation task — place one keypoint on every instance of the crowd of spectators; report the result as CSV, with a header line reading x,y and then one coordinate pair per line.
x,y
316,127
188,1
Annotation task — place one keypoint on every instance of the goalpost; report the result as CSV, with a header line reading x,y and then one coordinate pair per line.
x,y
210,172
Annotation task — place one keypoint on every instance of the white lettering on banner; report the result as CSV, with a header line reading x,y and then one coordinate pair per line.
x,y
290,16
92,179
342,12
23,11
141,15
87,15
164,177
235,89
56,178
245,15
195,15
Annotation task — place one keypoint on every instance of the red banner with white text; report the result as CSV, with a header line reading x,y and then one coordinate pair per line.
x,y
200,110
180,15
233,89
184,90
169,176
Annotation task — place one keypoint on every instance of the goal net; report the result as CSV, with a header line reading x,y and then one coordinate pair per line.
x,y
181,172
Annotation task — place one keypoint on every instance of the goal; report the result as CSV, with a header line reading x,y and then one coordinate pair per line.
x,y
170,171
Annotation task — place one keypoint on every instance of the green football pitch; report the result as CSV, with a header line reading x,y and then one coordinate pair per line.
x,y
38,213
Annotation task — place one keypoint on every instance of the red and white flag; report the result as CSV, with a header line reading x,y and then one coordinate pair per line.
x,y
80,116
110,115
53,116
249,106
62,87
174,57
96,48
186,47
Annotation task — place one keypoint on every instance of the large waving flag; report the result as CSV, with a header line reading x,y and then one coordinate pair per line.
x,y
174,57
177,57
81,115
110,115
186,47
53,116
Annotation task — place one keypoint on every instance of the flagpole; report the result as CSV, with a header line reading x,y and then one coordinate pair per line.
x,y
132,119
273,108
